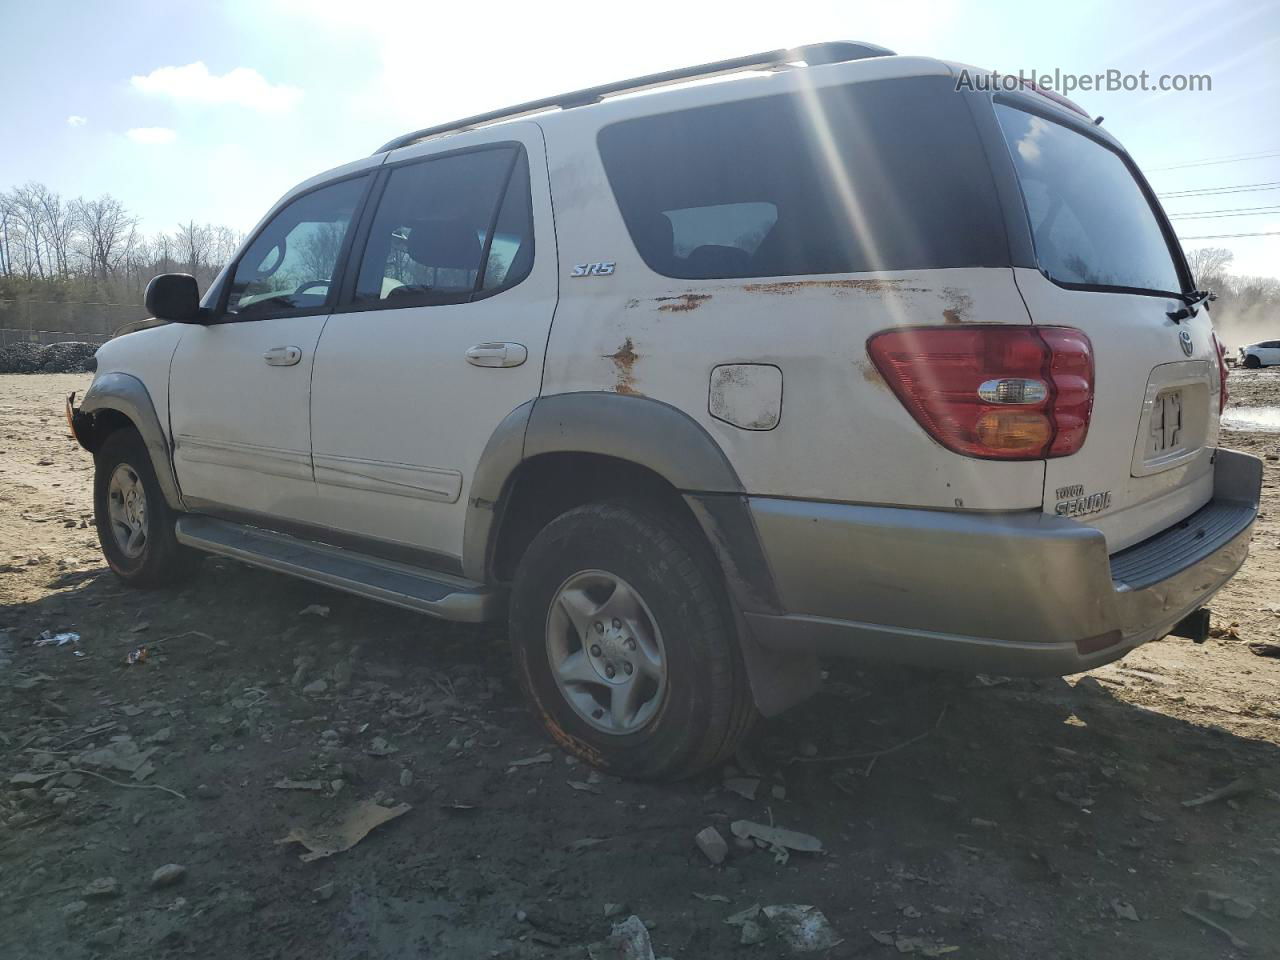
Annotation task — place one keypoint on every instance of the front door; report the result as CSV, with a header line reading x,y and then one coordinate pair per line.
x,y
439,337
240,384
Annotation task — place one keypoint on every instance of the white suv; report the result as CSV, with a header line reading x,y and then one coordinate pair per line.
x,y
827,358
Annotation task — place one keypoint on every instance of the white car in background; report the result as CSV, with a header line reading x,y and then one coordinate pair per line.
x,y
1263,354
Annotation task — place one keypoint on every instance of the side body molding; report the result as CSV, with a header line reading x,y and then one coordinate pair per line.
x,y
127,395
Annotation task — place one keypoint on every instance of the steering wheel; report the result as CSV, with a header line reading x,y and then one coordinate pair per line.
x,y
309,284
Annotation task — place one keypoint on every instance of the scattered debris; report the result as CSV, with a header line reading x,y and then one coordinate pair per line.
x,y
325,891
48,638
628,941
779,839
802,927
1124,910
326,841
912,944
1212,925
1264,648
529,761
712,845
1225,904
744,787
167,875
378,747
711,897
314,610
1235,788
101,888
313,786
137,655
583,786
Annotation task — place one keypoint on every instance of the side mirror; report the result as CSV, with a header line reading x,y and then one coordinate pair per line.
x,y
174,296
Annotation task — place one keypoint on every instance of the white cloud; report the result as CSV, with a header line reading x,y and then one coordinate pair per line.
x,y
194,83
152,135
76,121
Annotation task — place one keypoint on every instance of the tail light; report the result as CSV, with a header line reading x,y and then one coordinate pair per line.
x,y
1222,373
996,392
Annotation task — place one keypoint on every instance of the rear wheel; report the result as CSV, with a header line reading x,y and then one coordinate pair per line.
x,y
1252,361
625,645
135,525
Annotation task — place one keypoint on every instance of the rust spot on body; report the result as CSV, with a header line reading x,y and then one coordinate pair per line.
x,y
958,303
870,373
624,361
866,285
682,303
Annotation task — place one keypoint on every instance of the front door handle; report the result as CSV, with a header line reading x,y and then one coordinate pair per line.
x,y
497,355
282,356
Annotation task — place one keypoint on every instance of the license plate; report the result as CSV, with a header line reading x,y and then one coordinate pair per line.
x,y
1166,434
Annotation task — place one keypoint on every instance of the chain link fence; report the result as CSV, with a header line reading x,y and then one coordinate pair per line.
x,y
47,321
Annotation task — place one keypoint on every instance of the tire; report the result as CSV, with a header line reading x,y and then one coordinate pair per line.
x,y
690,705
1252,362
135,501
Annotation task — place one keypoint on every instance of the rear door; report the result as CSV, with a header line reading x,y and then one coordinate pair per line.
x,y
1109,268
441,335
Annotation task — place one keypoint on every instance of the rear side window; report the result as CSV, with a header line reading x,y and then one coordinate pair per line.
x,y
449,229
873,176
1090,221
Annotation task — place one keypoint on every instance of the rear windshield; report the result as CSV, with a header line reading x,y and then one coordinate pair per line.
x,y
887,175
1090,221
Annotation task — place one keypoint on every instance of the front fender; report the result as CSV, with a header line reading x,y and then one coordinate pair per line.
x,y
127,395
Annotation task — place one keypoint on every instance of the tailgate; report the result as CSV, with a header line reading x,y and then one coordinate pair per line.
x,y
1108,267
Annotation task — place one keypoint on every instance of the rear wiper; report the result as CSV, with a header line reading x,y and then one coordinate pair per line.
x,y
1192,300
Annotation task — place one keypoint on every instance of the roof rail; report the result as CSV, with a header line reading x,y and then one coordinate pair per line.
x,y
813,54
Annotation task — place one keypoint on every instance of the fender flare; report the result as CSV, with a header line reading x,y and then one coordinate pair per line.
x,y
127,395
667,441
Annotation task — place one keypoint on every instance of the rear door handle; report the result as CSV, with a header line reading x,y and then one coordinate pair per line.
x,y
497,355
282,356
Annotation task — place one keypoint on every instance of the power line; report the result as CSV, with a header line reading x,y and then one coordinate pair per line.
x,y
1237,188
1216,214
1233,158
1231,236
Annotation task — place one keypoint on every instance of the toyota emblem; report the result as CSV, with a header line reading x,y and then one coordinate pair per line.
x,y
1184,339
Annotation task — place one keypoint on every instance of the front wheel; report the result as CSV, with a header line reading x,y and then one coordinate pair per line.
x,y
624,643
135,525
1252,362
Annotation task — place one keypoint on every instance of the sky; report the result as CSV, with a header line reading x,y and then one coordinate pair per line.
x,y
211,111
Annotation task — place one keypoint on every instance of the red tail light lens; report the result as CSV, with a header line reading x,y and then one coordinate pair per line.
x,y
1222,373
996,392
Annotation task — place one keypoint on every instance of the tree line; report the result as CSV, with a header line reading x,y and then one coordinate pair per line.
x,y
75,250
1247,309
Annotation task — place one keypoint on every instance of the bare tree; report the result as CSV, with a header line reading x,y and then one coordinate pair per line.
x,y
57,225
194,243
1209,265
106,233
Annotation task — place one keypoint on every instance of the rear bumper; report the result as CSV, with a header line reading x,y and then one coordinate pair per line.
x,y
1023,593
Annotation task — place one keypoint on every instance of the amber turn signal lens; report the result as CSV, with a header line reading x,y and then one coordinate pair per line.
x,y
1010,430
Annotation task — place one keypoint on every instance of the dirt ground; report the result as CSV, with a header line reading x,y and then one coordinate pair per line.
x,y
980,817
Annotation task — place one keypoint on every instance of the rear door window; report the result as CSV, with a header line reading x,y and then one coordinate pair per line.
x,y
872,176
449,229
1090,221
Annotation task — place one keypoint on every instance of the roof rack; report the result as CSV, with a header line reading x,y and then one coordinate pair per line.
x,y
813,55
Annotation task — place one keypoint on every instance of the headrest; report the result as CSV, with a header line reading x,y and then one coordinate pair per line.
x,y
444,243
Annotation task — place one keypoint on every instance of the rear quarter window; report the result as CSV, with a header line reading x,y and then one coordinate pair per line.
x,y
885,175
1090,221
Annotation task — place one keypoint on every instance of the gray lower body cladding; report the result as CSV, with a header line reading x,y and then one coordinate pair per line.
x,y
1023,593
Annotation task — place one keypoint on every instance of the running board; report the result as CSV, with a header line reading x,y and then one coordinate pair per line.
x,y
437,594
